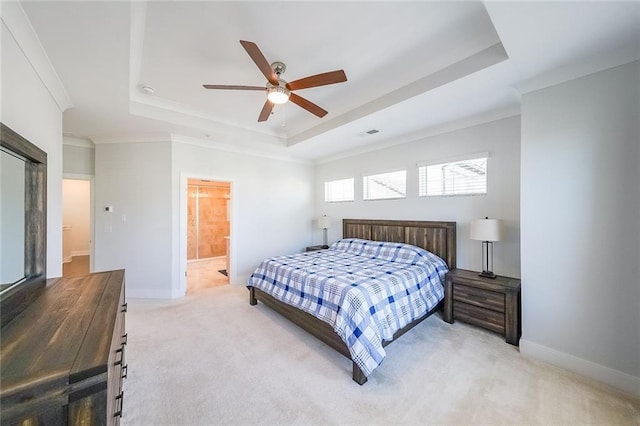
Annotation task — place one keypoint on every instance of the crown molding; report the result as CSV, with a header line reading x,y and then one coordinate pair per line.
x,y
480,60
148,138
465,123
594,64
72,140
201,124
17,23
238,149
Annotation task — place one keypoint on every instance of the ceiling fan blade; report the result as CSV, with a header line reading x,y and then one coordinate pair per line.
x,y
228,87
262,63
308,105
266,111
323,79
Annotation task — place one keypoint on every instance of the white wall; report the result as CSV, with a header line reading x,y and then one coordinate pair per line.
x,y
29,109
271,205
581,227
78,160
76,197
500,138
135,179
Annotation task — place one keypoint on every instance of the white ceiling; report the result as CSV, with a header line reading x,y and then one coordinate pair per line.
x,y
413,68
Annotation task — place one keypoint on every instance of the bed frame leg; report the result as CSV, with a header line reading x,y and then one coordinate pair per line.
x,y
252,297
358,375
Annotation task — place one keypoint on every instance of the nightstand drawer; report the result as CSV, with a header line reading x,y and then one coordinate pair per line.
x,y
479,297
479,316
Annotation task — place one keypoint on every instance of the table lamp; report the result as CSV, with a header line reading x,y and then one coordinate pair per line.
x,y
486,230
324,223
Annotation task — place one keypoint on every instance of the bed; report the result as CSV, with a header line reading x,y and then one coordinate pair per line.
x,y
386,258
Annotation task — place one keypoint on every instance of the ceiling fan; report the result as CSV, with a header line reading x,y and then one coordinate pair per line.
x,y
278,90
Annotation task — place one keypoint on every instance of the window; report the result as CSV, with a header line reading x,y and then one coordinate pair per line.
x,y
338,190
385,186
462,177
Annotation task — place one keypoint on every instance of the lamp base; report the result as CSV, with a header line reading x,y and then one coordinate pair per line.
x,y
487,274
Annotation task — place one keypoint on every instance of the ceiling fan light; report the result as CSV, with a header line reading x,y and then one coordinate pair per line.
x,y
278,95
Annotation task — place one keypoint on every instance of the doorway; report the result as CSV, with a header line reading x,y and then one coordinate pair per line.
x,y
77,227
207,233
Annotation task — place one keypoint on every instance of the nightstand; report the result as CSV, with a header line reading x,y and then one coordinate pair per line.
x,y
493,304
314,248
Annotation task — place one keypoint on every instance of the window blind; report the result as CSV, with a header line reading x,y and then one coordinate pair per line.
x,y
385,185
464,177
339,190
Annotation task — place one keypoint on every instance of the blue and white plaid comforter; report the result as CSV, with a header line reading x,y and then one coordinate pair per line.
x,y
366,290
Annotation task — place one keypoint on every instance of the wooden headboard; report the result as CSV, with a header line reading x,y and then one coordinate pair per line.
x,y
437,237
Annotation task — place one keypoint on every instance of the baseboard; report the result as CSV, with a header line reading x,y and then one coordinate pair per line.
x,y
67,259
147,293
80,253
623,381
241,280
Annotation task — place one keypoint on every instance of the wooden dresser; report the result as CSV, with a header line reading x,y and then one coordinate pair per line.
x,y
491,303
62,359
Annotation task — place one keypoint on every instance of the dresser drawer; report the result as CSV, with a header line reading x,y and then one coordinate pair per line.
x,y
117,365
479,297
482,317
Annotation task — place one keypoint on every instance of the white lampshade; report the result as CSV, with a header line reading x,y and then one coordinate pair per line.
x,y
324,222
486,230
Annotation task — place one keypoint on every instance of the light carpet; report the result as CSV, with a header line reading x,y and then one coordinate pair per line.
x,y
212,359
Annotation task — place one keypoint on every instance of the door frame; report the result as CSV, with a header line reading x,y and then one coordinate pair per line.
x,y
184,187
92,236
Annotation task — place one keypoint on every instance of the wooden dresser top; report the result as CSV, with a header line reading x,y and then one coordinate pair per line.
x,y
59,339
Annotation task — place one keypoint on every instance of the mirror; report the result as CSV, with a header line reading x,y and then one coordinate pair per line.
x,y
22,224
11,219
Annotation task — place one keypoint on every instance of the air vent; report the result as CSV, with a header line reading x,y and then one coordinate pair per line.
x,y
368,133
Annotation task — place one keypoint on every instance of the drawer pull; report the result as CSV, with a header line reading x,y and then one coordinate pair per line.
x,y
119,402
125,370
121,351
124,338
124,308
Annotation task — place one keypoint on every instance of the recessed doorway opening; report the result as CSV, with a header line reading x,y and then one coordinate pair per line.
x,y
208,229
77,226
